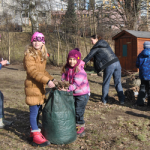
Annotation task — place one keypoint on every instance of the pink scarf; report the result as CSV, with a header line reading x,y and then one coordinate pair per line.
x,y
70,73
71,70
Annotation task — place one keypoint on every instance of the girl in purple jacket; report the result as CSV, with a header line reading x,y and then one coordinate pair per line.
x,y
74,72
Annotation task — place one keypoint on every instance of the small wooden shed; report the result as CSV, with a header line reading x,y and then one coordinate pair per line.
x,y
128,44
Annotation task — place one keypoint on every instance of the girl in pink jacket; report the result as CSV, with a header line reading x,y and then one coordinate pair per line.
x,y
74,72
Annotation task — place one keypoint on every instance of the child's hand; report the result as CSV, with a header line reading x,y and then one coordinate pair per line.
x,y
3,62
51,84
54,80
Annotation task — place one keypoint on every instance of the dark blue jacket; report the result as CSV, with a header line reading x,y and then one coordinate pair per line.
x,y
102,54
0,65
143,63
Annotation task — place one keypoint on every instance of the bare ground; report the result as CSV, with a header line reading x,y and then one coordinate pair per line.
x,y
110,127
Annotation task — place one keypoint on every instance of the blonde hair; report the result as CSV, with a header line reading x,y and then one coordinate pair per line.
x,y
33,52
64,69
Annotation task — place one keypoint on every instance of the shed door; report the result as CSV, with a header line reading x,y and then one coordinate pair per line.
x,y
125,51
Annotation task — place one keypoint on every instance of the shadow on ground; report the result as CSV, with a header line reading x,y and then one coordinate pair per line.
x,y
11,68
20,126
138,115
113,100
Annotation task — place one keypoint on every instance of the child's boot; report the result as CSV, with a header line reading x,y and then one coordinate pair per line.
x,y
39,139
80,130
1,123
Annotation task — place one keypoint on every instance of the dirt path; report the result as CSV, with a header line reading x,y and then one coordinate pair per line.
x,y
111,127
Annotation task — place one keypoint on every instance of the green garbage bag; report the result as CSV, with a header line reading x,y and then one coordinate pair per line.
x,y
58,118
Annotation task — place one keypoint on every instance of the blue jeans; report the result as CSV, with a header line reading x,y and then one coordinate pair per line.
x,y
1,105
34,116
115,71
80,103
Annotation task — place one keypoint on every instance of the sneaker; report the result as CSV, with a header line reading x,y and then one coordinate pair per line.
x,y
80,131
2,125
104,102
7,123
39,140
121,103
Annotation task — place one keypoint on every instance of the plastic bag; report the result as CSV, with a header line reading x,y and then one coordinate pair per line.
x,y
58,118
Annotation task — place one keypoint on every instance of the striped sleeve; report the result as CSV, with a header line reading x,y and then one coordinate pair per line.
x,y
77,81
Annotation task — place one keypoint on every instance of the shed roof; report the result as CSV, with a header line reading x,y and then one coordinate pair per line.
x,y
138,34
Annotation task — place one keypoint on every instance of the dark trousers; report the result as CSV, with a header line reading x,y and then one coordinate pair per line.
x,y
115,71
1,105
80,103
34,116
144,87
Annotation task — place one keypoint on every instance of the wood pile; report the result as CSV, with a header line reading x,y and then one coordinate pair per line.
x,y
125,72
133,80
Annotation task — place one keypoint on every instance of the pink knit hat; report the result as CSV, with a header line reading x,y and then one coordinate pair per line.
x,y
37,36
75,53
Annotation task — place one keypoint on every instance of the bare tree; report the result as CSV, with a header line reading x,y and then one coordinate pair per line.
x,y
33,15
31,10
128,13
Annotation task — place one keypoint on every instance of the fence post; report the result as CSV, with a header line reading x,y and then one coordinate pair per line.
x,y
58,55
9,46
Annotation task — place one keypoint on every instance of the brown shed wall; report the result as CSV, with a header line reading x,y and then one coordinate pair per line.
x,y
134,47
134,54
117,46
140,42
128,62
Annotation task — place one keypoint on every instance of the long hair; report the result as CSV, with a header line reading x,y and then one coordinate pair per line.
x,y
95,36
33,52
64,69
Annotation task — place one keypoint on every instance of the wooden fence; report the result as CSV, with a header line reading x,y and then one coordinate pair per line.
x,y
13,44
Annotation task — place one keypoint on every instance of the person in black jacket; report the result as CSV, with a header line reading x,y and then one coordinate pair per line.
x,y
105,60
